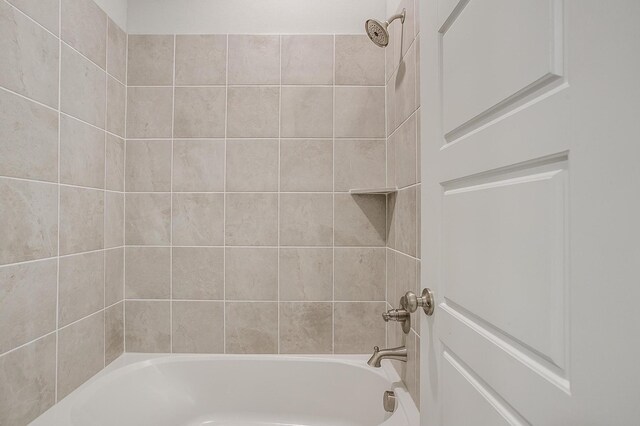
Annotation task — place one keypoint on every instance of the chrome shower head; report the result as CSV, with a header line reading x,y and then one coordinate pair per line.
x,y
378,31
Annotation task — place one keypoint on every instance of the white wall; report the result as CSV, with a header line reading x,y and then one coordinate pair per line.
x,y
116,9
251,16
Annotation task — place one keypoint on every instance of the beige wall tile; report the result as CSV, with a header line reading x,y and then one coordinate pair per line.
x,y
360,274
201,59
81,286
28,139
198,165
28,57
252,165
254,59
306,274
45,12
358,327
114,276
116,52
149,112
28,381
148,165
391,278
116,104
358,61
306,328
198,273
307,59
406,221
80,353
409,373
84,26
360,112
147,219
148,326
83,88
198,219
360,220
30,210
81,220
113,332
114,163
27,302
148,272
406,279
251,219
402,102
306,219
391,220
306,165
114,220
252,112
198,327
393,50
200,112
150,60
307,112
360,164
81,153
405,153
251,327
251,274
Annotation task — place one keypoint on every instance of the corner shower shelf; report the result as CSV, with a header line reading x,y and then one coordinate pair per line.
x,y
373,191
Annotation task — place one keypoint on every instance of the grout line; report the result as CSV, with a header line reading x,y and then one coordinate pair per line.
x,y
173,120
333,212
58,185
279,211
124,189
104,203
224,207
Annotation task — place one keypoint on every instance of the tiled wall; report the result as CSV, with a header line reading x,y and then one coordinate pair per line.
x,y
241,236
62,111
403,171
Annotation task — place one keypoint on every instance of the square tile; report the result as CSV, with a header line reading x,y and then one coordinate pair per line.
x,y
198,165
251,274
358,327
201,59
148,272
306,274
200,112
360,220
30,210
113,332
360,274
306,328
83,88
198,273
114,163
147,219
198,219
81,220
358,61
360,163
307,59
252,165
28,139
253,112
113,220
254,59
116,52
150,60
198,327
406,221
148,165
307,112
84,27
149,112
251,219
114,276
360,112
81,286
116,105
82,153
405,144
148,326
306,165
251,328
44,12
28,57
306,219
27,302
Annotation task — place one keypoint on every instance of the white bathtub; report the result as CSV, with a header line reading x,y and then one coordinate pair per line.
x,y
235,390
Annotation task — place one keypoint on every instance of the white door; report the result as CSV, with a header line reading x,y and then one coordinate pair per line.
x,y
531,212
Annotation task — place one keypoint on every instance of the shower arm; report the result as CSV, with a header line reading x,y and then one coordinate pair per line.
x,y
400,16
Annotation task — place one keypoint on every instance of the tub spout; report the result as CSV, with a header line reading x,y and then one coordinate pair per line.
x,y
399,354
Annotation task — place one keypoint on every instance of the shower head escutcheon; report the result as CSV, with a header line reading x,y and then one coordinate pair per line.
x,y
378,31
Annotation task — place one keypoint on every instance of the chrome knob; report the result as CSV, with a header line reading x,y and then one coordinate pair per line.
x,y
411,302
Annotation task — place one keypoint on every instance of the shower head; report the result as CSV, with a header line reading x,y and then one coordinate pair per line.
x,y
378,31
